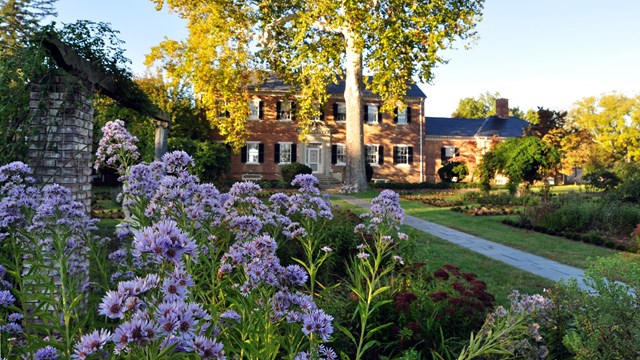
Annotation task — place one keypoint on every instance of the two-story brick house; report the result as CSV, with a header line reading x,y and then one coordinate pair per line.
x,y
392,140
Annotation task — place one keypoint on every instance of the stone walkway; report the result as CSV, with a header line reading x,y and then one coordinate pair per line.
x,y
528,262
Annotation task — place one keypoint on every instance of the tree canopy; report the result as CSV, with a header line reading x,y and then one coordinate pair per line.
x,y
519,159
613,124
310,44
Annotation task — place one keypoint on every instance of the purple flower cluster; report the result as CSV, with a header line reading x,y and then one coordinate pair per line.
x,y
46,353
17,195
142,182
117,148
323,353
150,316
177,162
308,202
164,241
385,211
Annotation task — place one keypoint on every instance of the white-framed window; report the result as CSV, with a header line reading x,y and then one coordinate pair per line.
x,y
372,113
372,154
339,154
285,153
403,155
254,107
340,112
448,152
285,110
253,152
402,116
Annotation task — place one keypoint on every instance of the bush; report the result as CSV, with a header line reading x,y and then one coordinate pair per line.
x,y
602,179
453,172
424,186
290,171
212,160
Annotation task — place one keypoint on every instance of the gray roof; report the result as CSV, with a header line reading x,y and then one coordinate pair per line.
x,y
503,127
274,83
438,126
493,125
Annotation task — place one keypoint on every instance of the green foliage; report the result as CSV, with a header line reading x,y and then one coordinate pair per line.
x,y
519,159
289,171
603,322
424,185
601,179
212,159
453,170
477,108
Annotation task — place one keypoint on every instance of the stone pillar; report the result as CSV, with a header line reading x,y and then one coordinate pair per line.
x,y
162,129
61,152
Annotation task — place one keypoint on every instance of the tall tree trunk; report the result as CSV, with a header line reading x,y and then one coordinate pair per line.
x,y
355,177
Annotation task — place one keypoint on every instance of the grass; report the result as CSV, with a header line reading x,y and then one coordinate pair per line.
x,y
501,279
490,228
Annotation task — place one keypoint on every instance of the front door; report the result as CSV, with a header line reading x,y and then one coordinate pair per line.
x,y
314,158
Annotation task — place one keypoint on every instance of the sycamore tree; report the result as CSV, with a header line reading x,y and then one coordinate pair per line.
x,y
310,44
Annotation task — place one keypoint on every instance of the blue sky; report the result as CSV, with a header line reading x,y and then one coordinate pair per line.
x,y
548,53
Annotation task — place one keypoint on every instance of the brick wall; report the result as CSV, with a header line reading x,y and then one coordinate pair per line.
x,y
269,131
61,152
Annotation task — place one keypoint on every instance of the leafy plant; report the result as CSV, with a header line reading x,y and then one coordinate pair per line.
x,y
289,171
453,172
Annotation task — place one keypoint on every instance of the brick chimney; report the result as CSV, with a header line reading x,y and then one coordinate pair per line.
x,y
502,107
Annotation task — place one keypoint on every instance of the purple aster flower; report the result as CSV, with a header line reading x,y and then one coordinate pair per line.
x,y
296,275
317,322
165,241
207,348
363,255
14,317
11,328
46,353
230,317
113,305
175,286
302,356
6,298
91,343
327,352
139,331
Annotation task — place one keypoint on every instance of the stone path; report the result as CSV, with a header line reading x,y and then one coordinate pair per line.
x,y
522,260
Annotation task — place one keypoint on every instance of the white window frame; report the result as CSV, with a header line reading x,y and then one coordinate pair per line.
x,y
289,111
253,149
254,106
402,116
372,117
405,156
341,106
340,147
449,153
370,156
282,145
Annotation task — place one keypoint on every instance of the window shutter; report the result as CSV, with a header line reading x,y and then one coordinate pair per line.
x,y
379,116
408,114
456,152
261,153
278,109
335,111
410,152
276,154
443,155
334,154
395,154
380,154
261,110
293,110
395,117
294,153
243,155
365,114
322,115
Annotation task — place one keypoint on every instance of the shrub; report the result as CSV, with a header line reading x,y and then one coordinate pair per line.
x,y
212,160
602,179
289,171
453,172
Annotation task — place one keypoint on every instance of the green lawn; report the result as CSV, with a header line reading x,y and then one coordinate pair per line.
x,y
490,227
501,279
